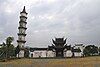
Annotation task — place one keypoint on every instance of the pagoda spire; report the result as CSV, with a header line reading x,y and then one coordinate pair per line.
x,y
24,10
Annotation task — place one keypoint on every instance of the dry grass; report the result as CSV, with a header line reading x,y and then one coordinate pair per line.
x,y
71,62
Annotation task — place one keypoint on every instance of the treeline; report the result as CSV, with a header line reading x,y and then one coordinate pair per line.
x,y
8,50
91,50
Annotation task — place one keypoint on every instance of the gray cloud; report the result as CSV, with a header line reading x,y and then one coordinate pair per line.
x,y
78,20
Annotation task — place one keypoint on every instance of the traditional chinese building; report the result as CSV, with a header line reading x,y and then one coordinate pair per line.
x,y
78,50
59,44
56,50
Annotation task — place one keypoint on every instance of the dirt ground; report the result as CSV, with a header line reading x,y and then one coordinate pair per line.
x,y
67,62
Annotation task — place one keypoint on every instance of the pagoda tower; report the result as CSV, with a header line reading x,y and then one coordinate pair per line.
x,y
22,28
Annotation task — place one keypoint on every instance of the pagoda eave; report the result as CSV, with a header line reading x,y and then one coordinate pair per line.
x,y
22,34
22,27
22,41
23,17
22,21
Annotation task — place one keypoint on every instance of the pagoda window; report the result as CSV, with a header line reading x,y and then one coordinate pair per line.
x,y
20,38
23,19
24,25
21,31
21,24
23,38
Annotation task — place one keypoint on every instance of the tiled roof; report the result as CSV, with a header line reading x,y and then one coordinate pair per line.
x,y
76,50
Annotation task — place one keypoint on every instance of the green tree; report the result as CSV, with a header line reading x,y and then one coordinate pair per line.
x,y
7,49
17,50
3,50
90,50
9,46
99,50
9,40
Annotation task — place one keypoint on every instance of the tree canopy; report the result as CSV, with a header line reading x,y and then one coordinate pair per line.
x,y
90,50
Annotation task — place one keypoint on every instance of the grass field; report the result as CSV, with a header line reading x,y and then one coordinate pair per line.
x,y
68,62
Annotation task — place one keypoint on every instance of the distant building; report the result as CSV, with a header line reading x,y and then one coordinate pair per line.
x,y
77,53
78,50
41,52
59,48
79,46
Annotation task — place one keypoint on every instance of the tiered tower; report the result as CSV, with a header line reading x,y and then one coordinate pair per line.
x,y
22,28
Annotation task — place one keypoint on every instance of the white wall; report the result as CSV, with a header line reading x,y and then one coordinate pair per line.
x,y
68,53
21,53
50,54
39,53
42,53
78,54
81,47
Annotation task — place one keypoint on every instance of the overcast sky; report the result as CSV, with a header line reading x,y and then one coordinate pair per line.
x,y
77,20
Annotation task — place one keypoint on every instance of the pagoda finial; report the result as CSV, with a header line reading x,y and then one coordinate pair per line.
x,y
24,10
